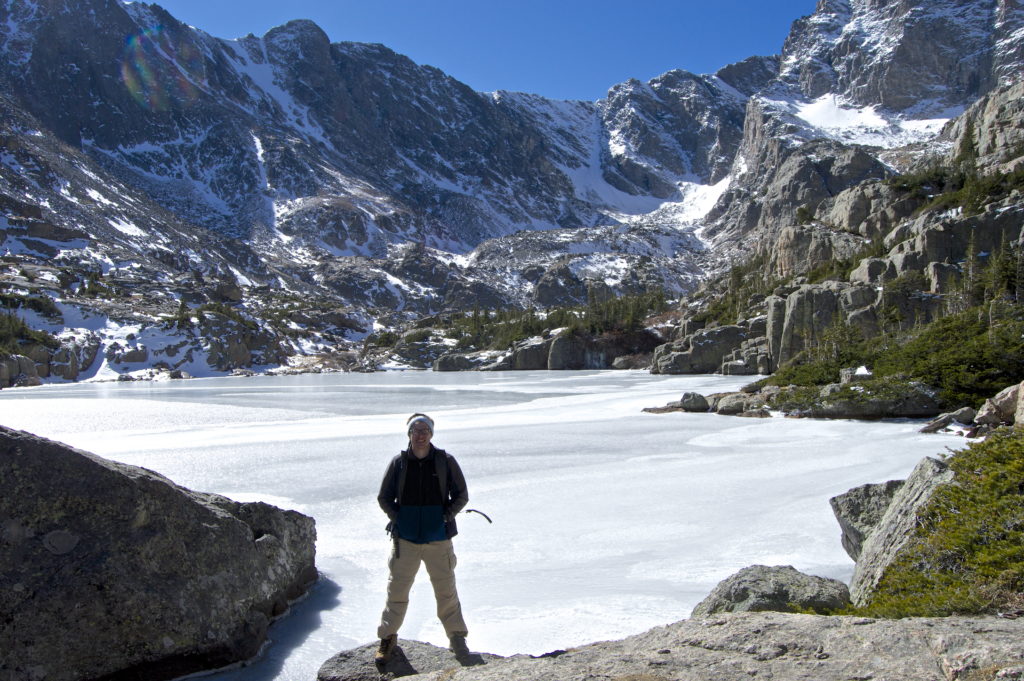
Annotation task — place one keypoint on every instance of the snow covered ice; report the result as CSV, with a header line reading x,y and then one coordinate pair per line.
x,y
607,520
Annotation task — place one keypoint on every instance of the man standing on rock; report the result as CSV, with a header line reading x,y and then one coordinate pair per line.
x,y
422,490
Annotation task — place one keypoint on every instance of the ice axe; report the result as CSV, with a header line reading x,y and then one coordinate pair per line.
x,y
473,510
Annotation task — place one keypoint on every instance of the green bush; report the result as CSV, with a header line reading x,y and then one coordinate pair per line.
x,y
14,332
960,186
500,329
797,399
967,555
417,336
382,339
41,304
226,311
804,215
840,346
966,357
973,192
95,288
802,371
927,182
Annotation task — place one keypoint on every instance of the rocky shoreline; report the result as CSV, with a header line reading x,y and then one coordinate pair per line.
x,y
858,396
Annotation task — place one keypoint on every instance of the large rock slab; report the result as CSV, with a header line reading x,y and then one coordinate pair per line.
x,y
700,353
410,658
860,510
778,646
963,416
780,588
896,526
18,370
531,354
113,571
1000,409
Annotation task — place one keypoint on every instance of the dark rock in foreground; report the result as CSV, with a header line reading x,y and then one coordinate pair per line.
x,y
779,646
779,588
113,571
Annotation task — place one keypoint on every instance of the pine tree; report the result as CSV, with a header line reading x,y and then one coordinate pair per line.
x,y
1001,272
967,152
972,284
1018,288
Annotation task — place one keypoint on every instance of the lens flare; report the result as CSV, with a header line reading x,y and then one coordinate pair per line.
x,y
160,72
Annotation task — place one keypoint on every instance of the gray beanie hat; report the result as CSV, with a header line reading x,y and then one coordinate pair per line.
x,y
420,418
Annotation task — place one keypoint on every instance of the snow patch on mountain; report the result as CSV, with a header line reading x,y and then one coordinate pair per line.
x,y
99,198
868,125
252,64
831,116
126,228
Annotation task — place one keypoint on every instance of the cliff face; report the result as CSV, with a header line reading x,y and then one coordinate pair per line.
x,y
878,228
871,77
904,56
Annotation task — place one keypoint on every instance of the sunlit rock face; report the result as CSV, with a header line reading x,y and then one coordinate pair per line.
x,y
905,55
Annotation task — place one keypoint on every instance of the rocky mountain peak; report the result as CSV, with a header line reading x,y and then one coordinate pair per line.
x,y
915,57
750,75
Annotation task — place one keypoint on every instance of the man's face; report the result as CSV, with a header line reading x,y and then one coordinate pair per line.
x,y
419,436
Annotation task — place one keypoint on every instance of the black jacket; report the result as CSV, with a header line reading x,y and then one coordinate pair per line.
x,y
452,492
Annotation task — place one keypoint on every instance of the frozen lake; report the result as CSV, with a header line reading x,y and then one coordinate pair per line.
x,y
607,521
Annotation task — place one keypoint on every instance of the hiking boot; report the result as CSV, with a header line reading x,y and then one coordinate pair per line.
x,y
386,647
457,644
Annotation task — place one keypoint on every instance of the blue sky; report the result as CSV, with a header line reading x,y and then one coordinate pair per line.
x,y
563,49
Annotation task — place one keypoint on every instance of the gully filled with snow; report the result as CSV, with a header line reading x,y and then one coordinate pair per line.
x,y
607,521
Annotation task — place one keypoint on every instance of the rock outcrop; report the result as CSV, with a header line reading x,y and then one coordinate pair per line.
x,y
113,571
18,370
895,527
701,352
962,416
780,588
1006,408
874,401
691,401
744,646
860,510
1001,409
454,362
561,350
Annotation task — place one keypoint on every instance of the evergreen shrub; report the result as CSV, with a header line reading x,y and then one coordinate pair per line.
x,y
14,332
967,554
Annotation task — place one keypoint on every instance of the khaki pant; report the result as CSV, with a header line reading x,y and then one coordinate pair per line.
x,y
439,557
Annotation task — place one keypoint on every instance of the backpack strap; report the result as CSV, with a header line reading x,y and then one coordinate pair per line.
x,y
441,463
401,469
